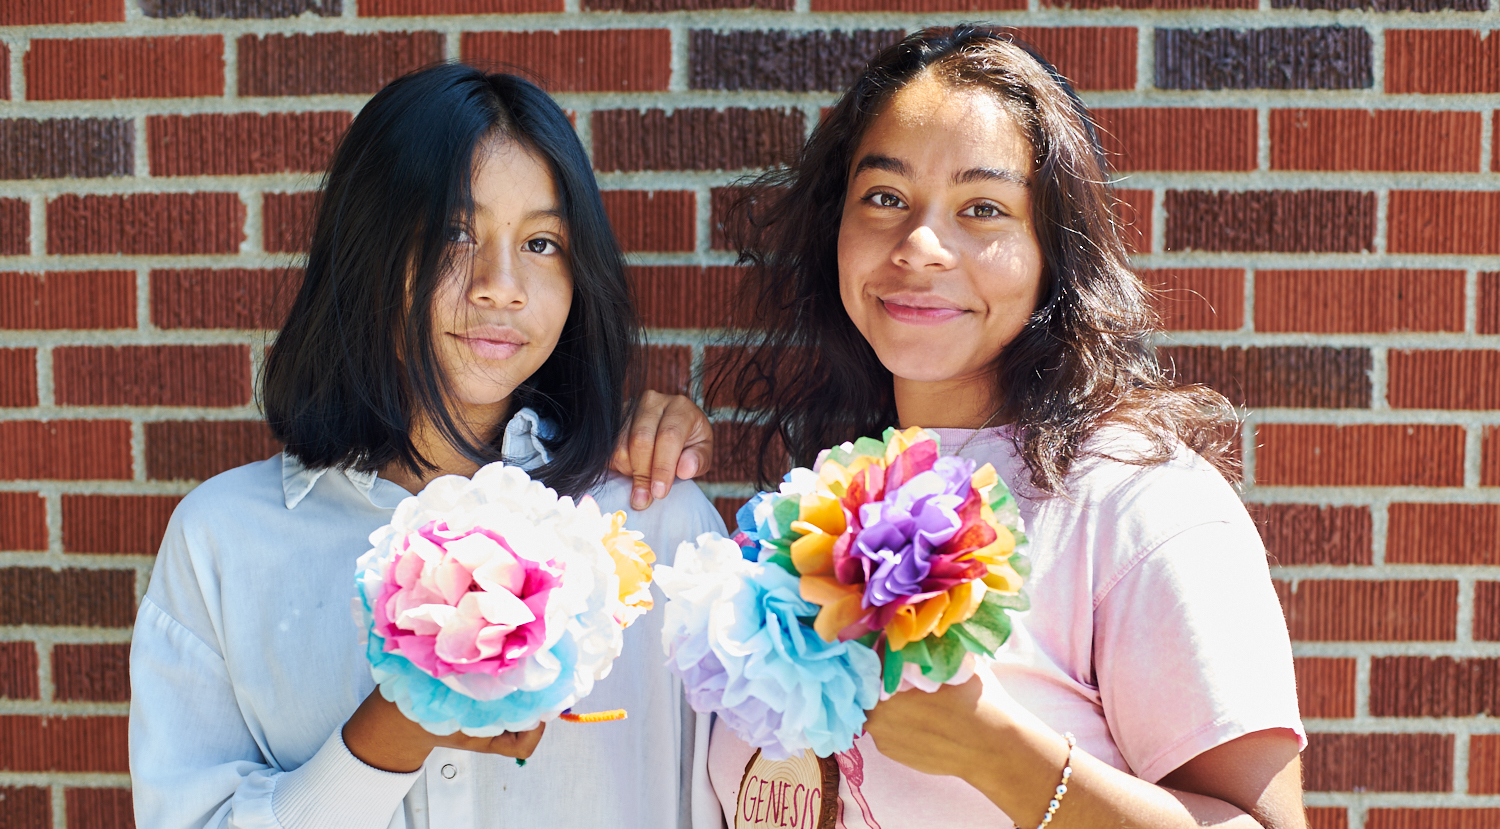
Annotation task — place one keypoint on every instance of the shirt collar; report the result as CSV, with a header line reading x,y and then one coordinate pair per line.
x,y
520,445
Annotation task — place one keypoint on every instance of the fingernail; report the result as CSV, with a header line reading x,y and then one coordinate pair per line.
x,y
658,489
638,498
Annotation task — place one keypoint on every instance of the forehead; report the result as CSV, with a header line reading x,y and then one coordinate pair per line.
x,y
936,126
510,174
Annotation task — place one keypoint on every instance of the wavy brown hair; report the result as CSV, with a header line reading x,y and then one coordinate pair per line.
x,y
1084,358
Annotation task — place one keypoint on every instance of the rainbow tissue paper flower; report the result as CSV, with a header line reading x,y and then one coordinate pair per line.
x,y
896,553
492,604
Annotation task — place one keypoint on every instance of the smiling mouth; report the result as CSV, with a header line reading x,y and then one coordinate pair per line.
x,y
918,315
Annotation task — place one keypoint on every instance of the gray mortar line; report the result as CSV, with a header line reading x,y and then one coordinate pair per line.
x,y
1473,454
18,49
138,450
1380,524
1471,301
45,392
1379,375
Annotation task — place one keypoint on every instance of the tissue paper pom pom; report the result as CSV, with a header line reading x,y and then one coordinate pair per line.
x,y
733,632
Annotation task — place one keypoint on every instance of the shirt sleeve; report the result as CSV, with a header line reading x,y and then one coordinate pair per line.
x,y
1191,649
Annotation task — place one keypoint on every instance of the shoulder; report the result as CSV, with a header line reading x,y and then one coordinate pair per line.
x,y
683,515
244,490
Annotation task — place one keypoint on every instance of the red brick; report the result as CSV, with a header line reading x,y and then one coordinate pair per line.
x,y
31,743
1444,379
69,597
70,450
39,12
18,377
91,672
669,368
685,296
115,523
125,67
1378,763
198,450
332,63
18,671
1172,138
1484,764
287,221
238,298
1495,148
727,507
1416,686
1340,610
695,139
1402,140
1279,221
23,522
1432,819
579,60
1327,817
1133,212
243,144
399,8
1359,302
721,202
99,809
67,299
1488,311
1198,299
736,451
1487,611
1325,687
925,6
1489,457
26,807
1089,57
4,72
1165,5
1425,221
152,375
15,227
653,220
1305,533
1441,61
1443,534
146,223
1305,454
1275,376
684,5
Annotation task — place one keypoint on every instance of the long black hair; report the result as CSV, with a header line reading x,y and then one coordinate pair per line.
x,y
354,365
1084,358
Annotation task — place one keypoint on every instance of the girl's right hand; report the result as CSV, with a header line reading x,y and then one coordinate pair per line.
x,y
383,738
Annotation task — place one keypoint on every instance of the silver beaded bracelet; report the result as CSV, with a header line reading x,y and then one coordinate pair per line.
x,y
1062,787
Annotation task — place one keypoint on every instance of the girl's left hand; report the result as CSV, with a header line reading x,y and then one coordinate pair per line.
x,y
669,438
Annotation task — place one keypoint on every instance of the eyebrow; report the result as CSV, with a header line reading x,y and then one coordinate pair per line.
x,y
897,167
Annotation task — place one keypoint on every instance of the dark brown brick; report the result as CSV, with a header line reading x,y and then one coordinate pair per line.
x,y
39,12
1283,221
4,72
653,220
332,63
1325,687
1432,818
26,807
401,8
685,296
1443,534
780,60
1306,454
152,375
669,368
15,227
245,143
695,139
1484,764
23,522
1378,763
1359,301
115,523
287,221
1198,299
71,450
1434,61
1281,376
91,672
736,448
125,67
198,450
240,9
1312,57
100,808
1340,610
238,298
1422,221
1487,318
18,377
146,223
18,672
1487,611
580,60
32,743
1167,138
1402,140
67,299
1444,379
66,148
727,507
1309,534
70,597
1416,686
1383,5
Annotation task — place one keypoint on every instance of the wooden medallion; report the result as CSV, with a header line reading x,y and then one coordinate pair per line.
x,y
798,793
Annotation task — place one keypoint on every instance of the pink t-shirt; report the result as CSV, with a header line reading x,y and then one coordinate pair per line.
x,y
1154,635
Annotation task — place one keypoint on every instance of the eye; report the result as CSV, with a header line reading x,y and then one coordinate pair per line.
x,y
542,246
884,199
984,211
459,236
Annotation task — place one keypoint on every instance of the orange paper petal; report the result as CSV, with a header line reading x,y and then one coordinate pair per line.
x,y
833,618
928,615
822,512
901,628
963,602
825,590
812,554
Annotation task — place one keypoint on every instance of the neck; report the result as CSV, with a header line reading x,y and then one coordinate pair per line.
x,y
445,457
966,403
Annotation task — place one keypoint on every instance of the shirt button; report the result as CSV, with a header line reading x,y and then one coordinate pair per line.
x,y
450,771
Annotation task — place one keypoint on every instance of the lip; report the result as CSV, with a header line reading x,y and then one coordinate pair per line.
x,y
492,342
919,309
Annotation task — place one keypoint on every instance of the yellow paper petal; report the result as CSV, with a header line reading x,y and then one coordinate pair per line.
x,y
825,590
963,602
1004,578
837,616
812,554
984,478
996,551
928,615
822,512
900,629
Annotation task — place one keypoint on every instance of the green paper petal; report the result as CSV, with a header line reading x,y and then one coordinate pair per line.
x,y
782,559
946,654
1020,563
893,663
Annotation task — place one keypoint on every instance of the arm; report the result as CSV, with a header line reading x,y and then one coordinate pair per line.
x,y
669,438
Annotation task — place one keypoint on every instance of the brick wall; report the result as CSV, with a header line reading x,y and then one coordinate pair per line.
x,y
1310,180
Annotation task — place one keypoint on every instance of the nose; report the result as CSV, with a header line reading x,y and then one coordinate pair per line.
x,y
923,249
495,278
